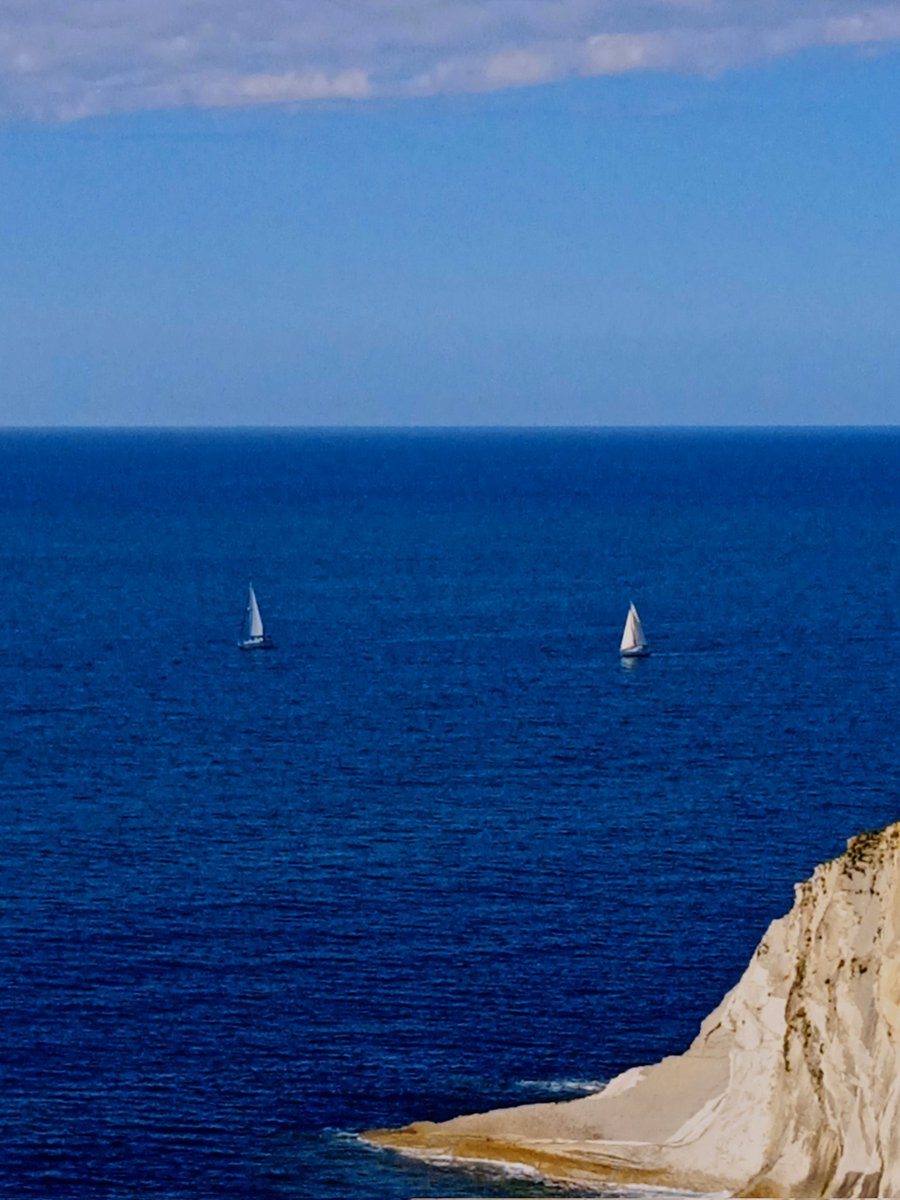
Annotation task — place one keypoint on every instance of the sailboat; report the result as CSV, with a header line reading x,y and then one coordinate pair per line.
x,y
253,635
634,644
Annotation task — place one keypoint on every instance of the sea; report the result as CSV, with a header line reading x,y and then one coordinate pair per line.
x,y
440,850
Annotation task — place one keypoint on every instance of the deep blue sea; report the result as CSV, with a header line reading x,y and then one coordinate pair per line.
x,y
440,850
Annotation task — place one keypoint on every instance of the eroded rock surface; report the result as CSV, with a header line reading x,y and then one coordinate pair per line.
x,y
791,1088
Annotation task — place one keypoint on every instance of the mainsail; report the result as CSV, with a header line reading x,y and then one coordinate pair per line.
x,y
254,620
633,634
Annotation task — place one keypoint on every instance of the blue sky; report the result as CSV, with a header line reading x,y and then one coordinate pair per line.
x,y
690,218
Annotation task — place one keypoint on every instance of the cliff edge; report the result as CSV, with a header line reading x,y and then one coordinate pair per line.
x,y
791,1087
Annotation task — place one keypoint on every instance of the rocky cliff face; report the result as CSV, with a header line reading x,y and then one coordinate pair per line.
x,y
791,1088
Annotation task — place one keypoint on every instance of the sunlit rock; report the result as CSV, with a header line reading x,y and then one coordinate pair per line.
x,y
791,1088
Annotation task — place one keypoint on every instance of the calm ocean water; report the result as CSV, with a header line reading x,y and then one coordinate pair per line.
x,y
440,851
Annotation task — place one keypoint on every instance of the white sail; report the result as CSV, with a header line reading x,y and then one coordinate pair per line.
x,y
254,620
633,635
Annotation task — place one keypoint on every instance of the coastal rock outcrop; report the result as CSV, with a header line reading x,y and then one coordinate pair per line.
x,y
791,1088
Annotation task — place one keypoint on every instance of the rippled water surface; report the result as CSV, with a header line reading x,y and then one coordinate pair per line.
x,y
439,850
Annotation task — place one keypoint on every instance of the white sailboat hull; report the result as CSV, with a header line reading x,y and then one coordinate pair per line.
x,y
257,643
635,652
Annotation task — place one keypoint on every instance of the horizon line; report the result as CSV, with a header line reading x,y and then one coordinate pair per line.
x,y
413,427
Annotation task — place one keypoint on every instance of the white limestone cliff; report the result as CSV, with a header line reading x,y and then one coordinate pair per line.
x,y
791,1088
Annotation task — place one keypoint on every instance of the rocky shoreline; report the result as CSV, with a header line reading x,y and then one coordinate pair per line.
x,y
790,1089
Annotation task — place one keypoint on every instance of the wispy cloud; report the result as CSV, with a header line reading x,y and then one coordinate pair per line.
x,y
65,59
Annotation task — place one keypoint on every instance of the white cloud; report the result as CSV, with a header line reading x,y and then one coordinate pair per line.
x,y
289,86
64,59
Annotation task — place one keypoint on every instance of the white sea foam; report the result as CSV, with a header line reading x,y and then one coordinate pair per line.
x,y
562,1086
347,1135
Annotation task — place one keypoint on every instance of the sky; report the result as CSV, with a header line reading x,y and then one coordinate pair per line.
x,y
449,212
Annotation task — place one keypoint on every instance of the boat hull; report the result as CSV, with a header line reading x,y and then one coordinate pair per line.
x,y
263,643
636,652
